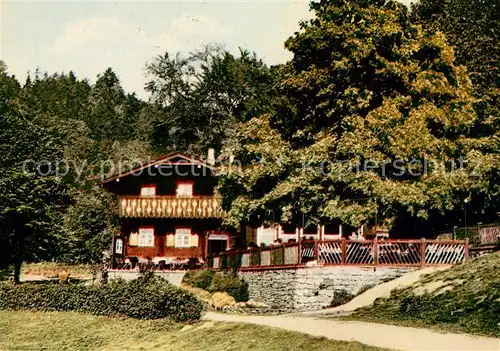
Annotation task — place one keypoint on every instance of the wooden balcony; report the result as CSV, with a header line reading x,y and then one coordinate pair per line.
x,y
170,207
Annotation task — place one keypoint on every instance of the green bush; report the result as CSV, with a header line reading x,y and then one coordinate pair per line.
x,y
278,255
143,298
229,282
199,279
239,291
218,282
255,258
210,260
234,261
223,262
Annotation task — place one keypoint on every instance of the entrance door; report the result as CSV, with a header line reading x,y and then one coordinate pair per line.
x,y
216,246
217,241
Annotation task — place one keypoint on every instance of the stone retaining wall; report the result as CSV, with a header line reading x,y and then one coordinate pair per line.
x,y
312,288
173,277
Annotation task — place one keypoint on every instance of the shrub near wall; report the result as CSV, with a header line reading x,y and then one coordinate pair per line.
x,y
199,279
143,298
232,284
218,282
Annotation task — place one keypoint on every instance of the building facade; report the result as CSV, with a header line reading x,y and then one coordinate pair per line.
x,y
169,213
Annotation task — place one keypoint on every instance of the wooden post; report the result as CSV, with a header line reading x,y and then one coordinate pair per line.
x,y
316,250
250,257
343,246
113,254
422,252
375,251
299,253
466,249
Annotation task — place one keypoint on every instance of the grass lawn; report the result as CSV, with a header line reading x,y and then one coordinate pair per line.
x,y
23,330
464,298
52,269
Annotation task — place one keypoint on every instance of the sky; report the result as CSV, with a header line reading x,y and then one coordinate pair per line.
x,y
87,37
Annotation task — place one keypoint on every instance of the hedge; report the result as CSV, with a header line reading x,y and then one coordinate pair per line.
x,y
143,298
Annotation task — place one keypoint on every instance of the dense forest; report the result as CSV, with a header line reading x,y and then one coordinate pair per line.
x,y
370,80
59,135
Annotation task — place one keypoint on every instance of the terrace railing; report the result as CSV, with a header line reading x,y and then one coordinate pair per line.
x,y
478,235
405,253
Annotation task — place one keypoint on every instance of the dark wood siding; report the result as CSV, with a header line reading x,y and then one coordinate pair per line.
x,y
165,180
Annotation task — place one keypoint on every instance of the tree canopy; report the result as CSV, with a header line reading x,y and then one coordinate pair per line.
x,y
204,94
473,29
32,199
382,116
92,128
368,92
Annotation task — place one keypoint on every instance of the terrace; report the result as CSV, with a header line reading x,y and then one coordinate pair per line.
x,y
406,253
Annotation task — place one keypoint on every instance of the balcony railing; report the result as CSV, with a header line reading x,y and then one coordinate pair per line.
x,y
170,207
405,253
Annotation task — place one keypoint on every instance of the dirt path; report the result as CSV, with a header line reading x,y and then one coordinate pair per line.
x,y
381,335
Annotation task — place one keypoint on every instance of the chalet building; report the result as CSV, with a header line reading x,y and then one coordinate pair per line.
x,y
170,215
169,212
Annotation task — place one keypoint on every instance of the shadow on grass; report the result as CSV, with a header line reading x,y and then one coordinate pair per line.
x,y
52,281
6,276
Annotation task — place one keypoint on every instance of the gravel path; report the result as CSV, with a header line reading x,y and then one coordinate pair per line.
x,y
381,335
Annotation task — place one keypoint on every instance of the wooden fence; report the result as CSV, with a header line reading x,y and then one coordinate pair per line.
x,y
478,235
405,253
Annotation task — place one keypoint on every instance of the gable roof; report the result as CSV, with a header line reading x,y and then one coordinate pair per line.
x,y
174,159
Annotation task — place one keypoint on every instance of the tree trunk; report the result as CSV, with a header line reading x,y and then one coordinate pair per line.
x,y
17,271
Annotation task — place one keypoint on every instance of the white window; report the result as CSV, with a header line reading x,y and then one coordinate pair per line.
x,y
148,190
146,237
119,246
182,236
184,189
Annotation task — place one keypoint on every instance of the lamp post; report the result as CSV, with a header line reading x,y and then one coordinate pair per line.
x,y
465,213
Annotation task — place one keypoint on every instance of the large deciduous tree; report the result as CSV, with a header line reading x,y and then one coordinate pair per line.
x,y
89,224
473,29
31,197
96,128
203,94
366,89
